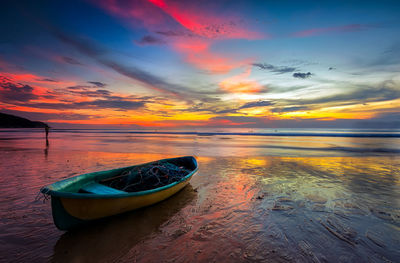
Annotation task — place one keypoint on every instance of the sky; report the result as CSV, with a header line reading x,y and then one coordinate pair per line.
x,y
151,64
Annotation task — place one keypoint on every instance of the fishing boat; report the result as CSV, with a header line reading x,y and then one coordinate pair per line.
x,y
83,198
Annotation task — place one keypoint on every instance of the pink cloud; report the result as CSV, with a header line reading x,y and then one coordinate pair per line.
x,y
204,22
192,29
138,13
197,52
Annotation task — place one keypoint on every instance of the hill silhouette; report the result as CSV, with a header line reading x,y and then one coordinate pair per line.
x,y
11,121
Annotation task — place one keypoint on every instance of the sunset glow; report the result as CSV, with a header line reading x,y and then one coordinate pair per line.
x,y
186,64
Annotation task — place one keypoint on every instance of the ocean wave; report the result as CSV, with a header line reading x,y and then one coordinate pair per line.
x,y
352,133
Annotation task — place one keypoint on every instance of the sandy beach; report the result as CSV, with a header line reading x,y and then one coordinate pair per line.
x,y
244,205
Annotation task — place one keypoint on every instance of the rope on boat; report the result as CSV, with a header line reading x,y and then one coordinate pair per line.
x,y
147,177
43,194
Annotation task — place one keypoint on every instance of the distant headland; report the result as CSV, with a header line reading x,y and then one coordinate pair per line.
x,y
11,121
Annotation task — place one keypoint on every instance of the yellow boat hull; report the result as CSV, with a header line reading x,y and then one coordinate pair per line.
x,y
72,208
90,209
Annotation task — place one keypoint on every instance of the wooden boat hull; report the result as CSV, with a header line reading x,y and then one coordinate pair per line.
x,y
71,209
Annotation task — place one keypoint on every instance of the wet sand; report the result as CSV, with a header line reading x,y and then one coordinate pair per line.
x,y
251,208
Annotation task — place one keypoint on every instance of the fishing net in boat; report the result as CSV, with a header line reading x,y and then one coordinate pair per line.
x,y
147,177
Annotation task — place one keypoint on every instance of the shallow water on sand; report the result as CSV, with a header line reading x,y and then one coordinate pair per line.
x,y
244,204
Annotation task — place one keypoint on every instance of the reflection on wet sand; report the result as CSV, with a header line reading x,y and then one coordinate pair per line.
x,y
109,239
282,210
247,206
46,150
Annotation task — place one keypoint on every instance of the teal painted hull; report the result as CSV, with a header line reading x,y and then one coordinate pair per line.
x,y
71,208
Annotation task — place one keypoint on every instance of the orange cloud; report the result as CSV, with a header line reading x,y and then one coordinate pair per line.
x,y
240,83
197,52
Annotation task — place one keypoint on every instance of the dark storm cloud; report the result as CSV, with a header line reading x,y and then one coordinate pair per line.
x,y
261,103
301,75
275,69
290,109
71,61
150,40
98,84
15,92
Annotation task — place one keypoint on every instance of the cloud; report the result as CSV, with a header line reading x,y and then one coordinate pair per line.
x,y
113,103
21,95
175,33
16,92
385,120
204,22
281,89
275,69
43,116
261,103
71,61
301,75
85,91
226,111
240,83
80,87
389,57
98,84
290,109
197,51
146,78
150,40
387,90
48,80
97,53
325,30
192,27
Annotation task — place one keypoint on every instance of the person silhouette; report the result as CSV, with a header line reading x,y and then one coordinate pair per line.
x,y
47,128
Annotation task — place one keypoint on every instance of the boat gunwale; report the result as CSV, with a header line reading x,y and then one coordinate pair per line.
x,y
56,193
